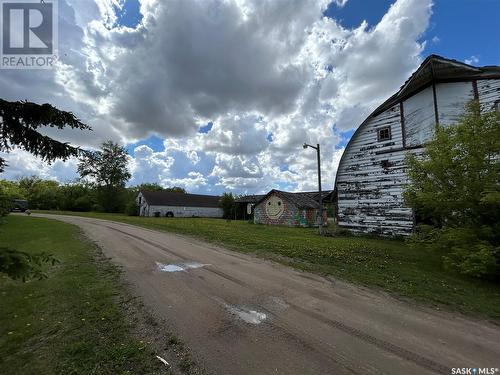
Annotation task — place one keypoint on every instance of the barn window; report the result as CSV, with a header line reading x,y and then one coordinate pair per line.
x,y
384,134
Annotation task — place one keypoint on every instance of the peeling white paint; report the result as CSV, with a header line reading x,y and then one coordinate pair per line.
x,y
179,267
372,175
247,315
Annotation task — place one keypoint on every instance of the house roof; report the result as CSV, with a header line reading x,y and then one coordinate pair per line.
x,y
314,195
325,195
167,198
249,199
301,199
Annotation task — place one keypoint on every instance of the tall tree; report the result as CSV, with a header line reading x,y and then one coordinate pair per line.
x,y
107,169
19,125
455,187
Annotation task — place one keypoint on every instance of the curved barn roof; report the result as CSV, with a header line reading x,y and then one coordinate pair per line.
x,y
433,69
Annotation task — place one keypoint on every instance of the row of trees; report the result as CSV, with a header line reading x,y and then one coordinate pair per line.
x,y
101,187
76,196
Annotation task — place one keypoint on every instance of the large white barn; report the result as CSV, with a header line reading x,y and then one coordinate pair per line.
x,y
371,174
170,204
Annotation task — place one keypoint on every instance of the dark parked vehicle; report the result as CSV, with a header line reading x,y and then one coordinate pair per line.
x,y
19,205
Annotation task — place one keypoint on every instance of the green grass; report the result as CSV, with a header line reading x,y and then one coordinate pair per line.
x,y
73,321
390,265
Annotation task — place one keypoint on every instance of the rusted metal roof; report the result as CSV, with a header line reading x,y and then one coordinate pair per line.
x,y
166,198
307,199
303,197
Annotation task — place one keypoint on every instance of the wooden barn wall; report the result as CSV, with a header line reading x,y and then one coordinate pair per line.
x,y
420,118
489,93
371,175
451,101
370,180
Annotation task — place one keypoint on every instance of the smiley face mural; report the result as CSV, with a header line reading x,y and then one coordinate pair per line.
x,y
274,207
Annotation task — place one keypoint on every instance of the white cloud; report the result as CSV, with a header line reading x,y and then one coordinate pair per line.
x,y
24,164
269,75
193,182
473,60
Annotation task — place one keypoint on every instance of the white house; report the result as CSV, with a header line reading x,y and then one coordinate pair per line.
x,y
371,174
169,204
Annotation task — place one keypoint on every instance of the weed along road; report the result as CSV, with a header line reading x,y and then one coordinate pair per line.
x,y
243,315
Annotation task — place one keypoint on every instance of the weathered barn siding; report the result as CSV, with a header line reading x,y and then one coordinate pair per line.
x,y
452,98
371,178
488,92
182,211
419,117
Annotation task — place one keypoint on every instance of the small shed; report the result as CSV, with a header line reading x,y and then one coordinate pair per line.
x,y
171,204
288,209
245,205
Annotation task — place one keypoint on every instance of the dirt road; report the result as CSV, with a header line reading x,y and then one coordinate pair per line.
x,y
244,315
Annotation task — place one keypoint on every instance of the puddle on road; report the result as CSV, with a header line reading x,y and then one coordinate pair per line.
x,y
179,267
247,315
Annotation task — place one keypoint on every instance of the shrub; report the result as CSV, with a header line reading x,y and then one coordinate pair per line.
x,y
228,206
455,187
82,204
5,203
97,208
132,209
21,265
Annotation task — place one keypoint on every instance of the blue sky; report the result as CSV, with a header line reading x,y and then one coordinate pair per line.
x,y
219,96
464,28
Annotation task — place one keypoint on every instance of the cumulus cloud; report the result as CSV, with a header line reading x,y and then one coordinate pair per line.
x,y
23,164
269,75
473,60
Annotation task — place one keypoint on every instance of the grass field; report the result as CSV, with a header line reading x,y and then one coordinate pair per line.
x,y
390,265
72,322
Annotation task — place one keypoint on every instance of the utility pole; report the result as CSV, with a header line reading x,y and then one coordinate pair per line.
x,y
320,221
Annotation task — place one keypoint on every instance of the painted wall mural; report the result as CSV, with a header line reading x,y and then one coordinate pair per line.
x,y
276,210
274,207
